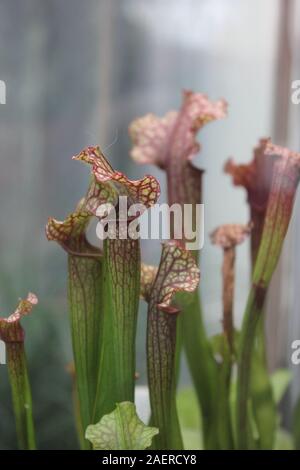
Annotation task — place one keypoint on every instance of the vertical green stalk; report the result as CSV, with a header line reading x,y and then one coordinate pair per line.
x,y
21,394
262,397
202,366
227,237
121,270
12,333
86,311
225,428
177,272
195,342
280,205
161,346
225,369
85,306
256,178
76,406
263,404
250,322
228,295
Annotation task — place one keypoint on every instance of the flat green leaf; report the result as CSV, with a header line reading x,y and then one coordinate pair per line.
x,y
121,430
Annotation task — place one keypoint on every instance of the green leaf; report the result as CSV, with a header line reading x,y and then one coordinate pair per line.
x,y
280,380
121,430
283,440
191,439
202,365
189,419
263,402
85,283
188,410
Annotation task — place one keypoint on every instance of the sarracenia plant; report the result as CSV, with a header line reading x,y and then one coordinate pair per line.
x,y
170,143
12,333
227,237
105,282
85,287
256,178
104,298
177,272
285,180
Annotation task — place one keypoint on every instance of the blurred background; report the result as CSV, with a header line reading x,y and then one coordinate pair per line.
x,y
76,74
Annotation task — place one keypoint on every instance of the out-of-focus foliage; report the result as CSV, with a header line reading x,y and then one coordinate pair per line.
x,y
51,383
296,425
121,430
190,419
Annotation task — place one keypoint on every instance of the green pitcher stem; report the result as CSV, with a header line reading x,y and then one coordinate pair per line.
x,y
161,345
116,381
262,397
21,395
254,311
86,312
202,365
264,407
201,362
225,428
